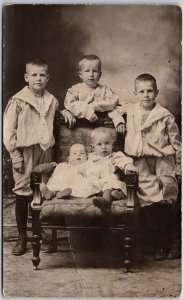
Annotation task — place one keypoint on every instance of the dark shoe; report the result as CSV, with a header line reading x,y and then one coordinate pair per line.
x,y
20,247
175,251
160,254
101,203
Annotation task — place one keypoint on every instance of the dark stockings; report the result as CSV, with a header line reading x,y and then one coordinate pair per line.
x,y
21,213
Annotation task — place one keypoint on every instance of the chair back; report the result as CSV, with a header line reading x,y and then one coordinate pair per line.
x,y
81,133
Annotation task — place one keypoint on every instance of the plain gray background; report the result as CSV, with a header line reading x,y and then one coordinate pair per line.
x,y
129,39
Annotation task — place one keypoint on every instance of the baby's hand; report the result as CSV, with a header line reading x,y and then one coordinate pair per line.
x,y
54,164
93,118
71,119
19,167
131,167
121,128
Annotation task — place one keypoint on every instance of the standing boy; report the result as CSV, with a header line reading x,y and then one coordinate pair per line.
x,y
28,137
153,140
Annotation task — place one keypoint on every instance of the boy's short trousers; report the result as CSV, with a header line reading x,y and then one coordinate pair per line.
x,y
157,180
33,155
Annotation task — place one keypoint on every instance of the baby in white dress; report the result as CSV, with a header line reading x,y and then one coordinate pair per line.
x,y
67,178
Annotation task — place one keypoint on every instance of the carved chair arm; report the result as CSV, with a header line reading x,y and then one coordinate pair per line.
x,y
131,180
36,179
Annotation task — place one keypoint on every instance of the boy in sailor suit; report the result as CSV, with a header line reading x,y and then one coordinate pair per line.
x,y
153,140
28,137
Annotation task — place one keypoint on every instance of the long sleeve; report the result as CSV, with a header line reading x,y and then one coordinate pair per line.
x,y
175,140
105,101
120,160
116,114
116,117
80,109
10,130
82,101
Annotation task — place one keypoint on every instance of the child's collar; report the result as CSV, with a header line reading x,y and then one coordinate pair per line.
x,y
26,95
157,113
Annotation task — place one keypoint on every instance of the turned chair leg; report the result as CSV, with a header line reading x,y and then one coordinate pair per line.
x,y
128,239
36,238
127,262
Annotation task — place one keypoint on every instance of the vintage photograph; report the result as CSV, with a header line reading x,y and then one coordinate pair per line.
x,y
91,150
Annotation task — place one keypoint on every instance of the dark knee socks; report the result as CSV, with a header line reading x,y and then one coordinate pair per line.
x,y
176,222
157,218
21,213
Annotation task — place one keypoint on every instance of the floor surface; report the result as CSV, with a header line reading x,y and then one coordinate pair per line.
x,y
83,271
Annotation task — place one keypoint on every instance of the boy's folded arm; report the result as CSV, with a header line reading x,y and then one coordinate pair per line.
x,y
79,109
103,106
108,103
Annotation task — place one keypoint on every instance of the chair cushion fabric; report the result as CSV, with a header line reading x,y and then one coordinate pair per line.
x,y
80,212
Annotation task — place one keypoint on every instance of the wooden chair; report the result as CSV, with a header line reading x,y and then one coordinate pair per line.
x,y
75,213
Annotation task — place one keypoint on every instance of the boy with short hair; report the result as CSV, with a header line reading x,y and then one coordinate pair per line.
x,y
153,140
103,163
28,137
84,99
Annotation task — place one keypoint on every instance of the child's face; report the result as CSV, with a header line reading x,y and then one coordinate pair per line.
x,y
146,93
37,77
77,154
90,72
102,144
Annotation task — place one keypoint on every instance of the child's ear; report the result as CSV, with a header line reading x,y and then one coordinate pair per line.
x,y
80,74
157,92
48,77
135,93
26,77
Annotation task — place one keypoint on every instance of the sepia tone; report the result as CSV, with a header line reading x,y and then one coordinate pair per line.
x,y
130,40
